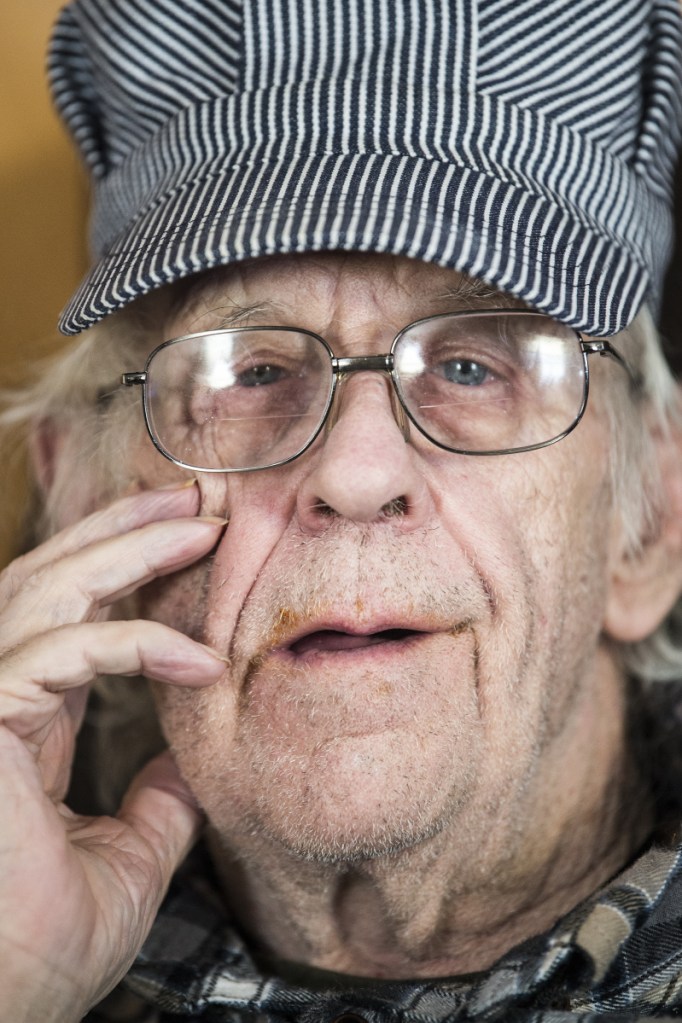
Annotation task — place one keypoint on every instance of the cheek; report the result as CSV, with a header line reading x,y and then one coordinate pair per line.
x,y
259,512
112,459
206,599
537,517
535,529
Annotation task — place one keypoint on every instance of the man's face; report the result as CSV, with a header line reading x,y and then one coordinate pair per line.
x,y
414,635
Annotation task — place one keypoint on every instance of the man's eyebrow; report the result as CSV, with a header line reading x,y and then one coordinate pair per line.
x,y
227,314
473,290
236,313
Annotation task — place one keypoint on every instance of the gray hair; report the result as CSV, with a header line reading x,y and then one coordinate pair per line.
x,y
638,486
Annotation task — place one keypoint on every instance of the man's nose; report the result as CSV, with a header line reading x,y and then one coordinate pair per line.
x,y
364,470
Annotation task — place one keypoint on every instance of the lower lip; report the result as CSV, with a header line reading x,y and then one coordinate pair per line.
x,y
326,694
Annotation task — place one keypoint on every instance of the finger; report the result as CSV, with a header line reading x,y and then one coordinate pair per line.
x,y
110,876
123,516
157,825
35,676
161,809
74,588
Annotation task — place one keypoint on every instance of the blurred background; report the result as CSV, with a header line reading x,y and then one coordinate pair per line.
x,y
43,204
43,201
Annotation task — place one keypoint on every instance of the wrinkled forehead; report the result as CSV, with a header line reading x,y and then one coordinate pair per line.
x,y
311,290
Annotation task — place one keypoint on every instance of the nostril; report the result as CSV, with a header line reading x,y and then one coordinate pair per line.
x,y
323,509
398,506
392,509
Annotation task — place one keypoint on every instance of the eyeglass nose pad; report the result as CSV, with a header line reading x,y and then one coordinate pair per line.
x,y
399,414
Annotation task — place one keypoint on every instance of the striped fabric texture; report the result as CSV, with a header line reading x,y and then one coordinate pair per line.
x,y
530,143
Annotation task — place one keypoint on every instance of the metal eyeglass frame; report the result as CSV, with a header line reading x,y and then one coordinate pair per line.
x,y
342,367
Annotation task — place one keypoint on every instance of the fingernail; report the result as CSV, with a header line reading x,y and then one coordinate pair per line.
x,y
179,485
214,653
213,519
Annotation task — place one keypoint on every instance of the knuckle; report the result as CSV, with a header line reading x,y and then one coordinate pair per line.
x,y
43,603
55,591
9,656
11,579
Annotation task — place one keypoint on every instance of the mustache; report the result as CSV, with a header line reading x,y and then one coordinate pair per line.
x,y
349,584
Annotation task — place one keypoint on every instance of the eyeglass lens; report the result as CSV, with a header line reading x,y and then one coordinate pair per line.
x,y
475,383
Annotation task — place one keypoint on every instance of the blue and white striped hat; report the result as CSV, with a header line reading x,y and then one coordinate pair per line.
x,y
530,143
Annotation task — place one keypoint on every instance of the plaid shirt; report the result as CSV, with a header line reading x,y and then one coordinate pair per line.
x,y
616,957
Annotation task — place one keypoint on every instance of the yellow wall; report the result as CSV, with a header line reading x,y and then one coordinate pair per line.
x,y
42,210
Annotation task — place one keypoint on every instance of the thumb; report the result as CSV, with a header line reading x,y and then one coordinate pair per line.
x,y
162,811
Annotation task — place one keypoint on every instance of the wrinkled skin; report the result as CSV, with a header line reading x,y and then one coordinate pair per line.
x,y
402,807
60,955
382,766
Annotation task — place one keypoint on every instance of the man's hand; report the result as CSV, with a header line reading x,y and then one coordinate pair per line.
x,y
78,895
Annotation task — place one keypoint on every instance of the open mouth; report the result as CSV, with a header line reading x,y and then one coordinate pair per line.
x,y
334,641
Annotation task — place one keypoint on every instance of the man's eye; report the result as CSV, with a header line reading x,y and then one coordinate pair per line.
x,y
265,373
464,371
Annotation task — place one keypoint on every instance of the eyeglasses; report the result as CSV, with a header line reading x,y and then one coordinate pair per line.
x,y
475,383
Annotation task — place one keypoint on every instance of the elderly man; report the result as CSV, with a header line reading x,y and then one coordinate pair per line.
x,y
404,595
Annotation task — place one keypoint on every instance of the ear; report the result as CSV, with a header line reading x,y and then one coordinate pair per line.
x,y
46,444
54,453
645,586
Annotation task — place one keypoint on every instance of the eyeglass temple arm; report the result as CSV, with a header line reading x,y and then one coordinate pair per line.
x,y
105,394
606,350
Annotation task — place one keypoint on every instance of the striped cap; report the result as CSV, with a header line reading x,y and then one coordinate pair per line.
x,y
530,143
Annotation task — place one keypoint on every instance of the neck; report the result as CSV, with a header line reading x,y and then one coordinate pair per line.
x,y
456,902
